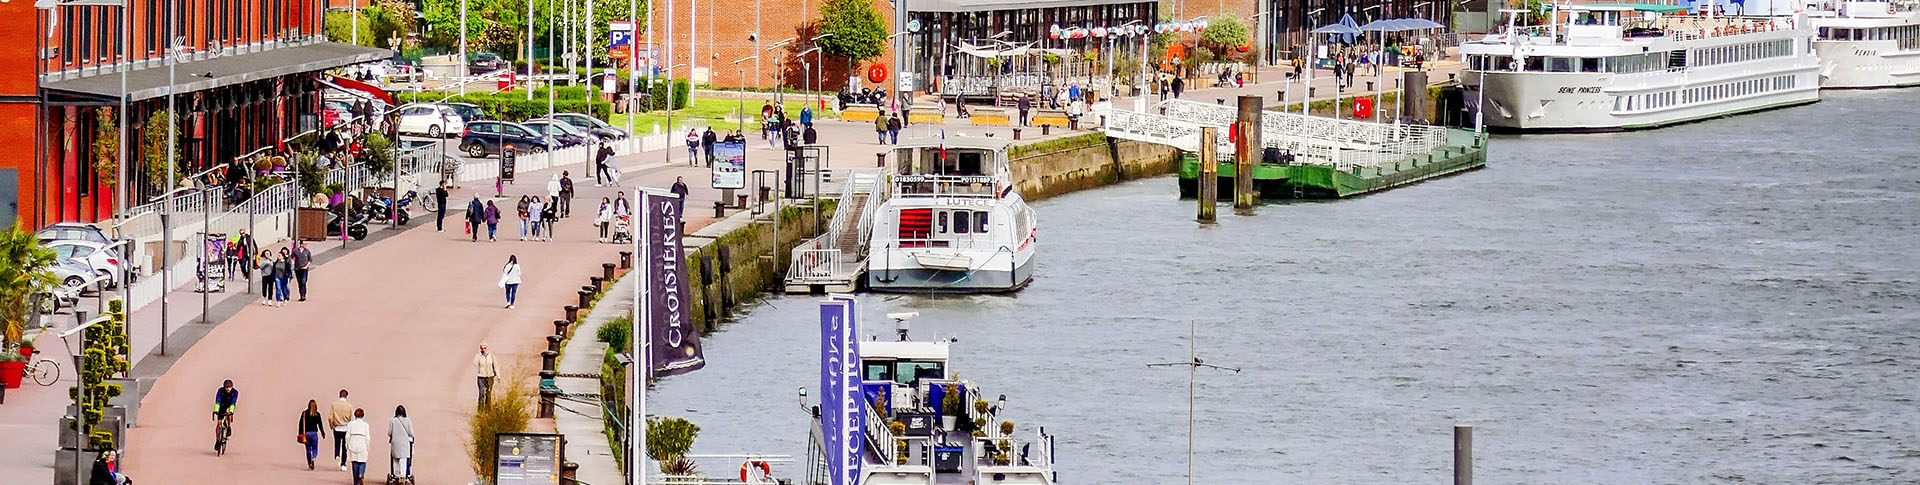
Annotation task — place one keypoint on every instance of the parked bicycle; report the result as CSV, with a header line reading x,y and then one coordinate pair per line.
x,y
43,371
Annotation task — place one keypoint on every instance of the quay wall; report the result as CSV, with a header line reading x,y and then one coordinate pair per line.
x,y
755,262
1053,167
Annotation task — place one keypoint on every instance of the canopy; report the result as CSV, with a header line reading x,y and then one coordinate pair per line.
x,y
1643,7
1399,25
988,52
1346,28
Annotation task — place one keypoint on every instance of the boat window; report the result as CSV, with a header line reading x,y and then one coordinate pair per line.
x,y
907,372
981,219
1589,64
943,222
1536,64
961,222
1560,64
878,371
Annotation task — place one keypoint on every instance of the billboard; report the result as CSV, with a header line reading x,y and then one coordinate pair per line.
x,y
676,345
842,402
730,165
527,458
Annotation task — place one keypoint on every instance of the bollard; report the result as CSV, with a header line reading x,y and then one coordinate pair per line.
x,y
626,260
606,273
1046,129
880,160
586,297
1463,454
740,201
1208,184
573,313
568,471
547,394
719,209
1246,153
1016,133
553,342
1369,85
560,327
590,288
546,359
599,284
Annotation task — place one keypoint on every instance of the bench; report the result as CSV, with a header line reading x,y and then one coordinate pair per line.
x,y
1055,117
860,112
990,117
926,113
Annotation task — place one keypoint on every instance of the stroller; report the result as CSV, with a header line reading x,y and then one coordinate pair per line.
x,y
623,229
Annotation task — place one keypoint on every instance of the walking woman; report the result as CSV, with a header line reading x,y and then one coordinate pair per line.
x,y
282,271
310,430
267,284
400,440
603,217
549,216
533,215
510,278
492,217
524,204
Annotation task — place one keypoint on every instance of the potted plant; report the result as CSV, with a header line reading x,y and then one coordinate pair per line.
x,y
24,267
900,447
898,428
981,406
336,193
950,407
1006,428
1001,458
12,363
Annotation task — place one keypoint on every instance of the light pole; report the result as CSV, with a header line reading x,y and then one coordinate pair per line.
x,y
465,74
743,90
79,368
166,207
814,90
1112,56
670,129
529,56
805,69
779,89
200,246
1193,365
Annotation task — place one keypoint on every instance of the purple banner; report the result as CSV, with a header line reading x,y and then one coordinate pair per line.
x,y
842,404
676,346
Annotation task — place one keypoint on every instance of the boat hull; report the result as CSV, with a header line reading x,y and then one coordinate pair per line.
x,y
1866,65
1007,278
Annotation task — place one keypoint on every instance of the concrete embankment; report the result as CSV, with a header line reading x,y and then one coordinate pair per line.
x,y
1053,167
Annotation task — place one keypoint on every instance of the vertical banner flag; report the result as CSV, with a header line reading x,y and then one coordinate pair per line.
x,y
842,414
730,165
676,346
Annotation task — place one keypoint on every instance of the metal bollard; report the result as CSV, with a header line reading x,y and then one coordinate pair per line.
x,y
606,273
626,260
719,209
586,297
547,394
599,284
553,342
880,160
560,327
1046,129
573,313
569,470
1016,133
547,358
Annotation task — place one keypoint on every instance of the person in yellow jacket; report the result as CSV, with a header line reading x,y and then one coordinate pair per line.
x,y
484,368
338,415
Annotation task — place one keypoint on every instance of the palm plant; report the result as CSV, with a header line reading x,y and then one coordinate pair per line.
x,y
24,269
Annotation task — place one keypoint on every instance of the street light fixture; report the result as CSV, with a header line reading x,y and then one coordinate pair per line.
x,y
814,90
805,67
780,91
743,90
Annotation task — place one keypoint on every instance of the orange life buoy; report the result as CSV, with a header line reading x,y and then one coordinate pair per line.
x,y
876,73
756,471
1363,107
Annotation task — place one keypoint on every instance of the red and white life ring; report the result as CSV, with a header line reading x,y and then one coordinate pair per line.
x,y
755,471
876,73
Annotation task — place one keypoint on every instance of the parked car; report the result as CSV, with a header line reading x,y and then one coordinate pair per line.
x,y
103,259
70,278
484,138
433,119
64,231
72,273
592,125
483,63
564,135
469,112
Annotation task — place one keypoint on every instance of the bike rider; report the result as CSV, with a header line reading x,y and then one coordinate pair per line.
x,y
224,401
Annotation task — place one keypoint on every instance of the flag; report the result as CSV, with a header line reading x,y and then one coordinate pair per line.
x,y
676,345
842,402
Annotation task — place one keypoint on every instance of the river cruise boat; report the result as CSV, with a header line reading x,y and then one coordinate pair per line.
x,y
920,425
952,221
1867,44
1609,67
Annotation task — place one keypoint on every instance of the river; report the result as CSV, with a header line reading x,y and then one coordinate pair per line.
x,y
1725,301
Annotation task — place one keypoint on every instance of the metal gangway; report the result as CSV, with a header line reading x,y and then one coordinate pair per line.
x,y
1313,140
835,260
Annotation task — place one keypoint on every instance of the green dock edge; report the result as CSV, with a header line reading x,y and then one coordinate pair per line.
x,y
1464,151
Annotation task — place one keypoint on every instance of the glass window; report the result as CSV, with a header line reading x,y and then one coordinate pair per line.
x,y
943,222
1590,64
962,222
878,371
1560,64
81,251
980,218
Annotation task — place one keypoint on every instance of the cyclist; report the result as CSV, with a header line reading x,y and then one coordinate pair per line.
x,y
224,401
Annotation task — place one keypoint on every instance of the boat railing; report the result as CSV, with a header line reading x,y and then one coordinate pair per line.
x,y
920,185
911,244
881,438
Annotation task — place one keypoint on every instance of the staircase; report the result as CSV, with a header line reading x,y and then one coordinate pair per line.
x,y
835,260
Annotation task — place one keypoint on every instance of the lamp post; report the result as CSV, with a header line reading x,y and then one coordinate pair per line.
x,y
465,74
200,252
670,129
814,90
1193,365
806,68
743,90
1113,56
780,90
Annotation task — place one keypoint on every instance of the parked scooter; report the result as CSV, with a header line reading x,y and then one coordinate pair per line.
x,y
377,208
356,227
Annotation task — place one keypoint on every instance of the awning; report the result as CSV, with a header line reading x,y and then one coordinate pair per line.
x,y
224,71
1400,25
991,5
358,88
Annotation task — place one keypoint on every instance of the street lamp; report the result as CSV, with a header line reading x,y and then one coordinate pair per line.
x,y
670,129
806,67
780,91
1112,56
743,90
814,90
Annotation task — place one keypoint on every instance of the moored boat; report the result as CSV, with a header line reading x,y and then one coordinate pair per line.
x,y
952,222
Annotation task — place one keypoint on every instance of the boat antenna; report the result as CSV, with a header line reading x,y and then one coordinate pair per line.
x,y
1193,365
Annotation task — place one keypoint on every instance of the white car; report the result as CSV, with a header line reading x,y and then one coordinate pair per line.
x,y
434,120
104,261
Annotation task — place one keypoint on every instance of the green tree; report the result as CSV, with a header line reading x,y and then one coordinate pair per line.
x,y
1225,31
377,25
858,32
24,268
154,144
668,439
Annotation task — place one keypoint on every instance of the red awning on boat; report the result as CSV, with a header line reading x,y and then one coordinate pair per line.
x,y
345,83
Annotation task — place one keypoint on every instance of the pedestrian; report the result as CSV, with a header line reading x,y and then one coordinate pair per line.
x,y
440,207
679,187
706,144
243,245
620,205
302,263
693,147
534,215
880,127
603,217
282,272
809,136
310,431
359,436
521,210
400,440
806,116
600,165
1026,103
550,215
1178,86
893,130
106,470
485,370
510,279
766,115
337,417
566,194
269,287
492,216
553,190
474,214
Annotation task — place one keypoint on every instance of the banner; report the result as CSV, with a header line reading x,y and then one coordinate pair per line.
x,y
676,346
730,165
842,402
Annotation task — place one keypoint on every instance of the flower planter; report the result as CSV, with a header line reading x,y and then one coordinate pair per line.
x,y
10,373
63,472
111,421
128,401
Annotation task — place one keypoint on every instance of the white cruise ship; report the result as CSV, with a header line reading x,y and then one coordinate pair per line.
x,y
953,222
1629,66
1867,44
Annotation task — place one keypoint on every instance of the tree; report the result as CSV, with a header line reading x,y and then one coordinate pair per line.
x,y
377,25
154,144
1226,31
24,269
858,32
668,439
106,145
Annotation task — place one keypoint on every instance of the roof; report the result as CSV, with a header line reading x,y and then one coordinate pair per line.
x,y
1643,7
991,5
876,349
225,70
958,139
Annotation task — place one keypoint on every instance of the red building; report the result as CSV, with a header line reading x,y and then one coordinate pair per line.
x,y
245,78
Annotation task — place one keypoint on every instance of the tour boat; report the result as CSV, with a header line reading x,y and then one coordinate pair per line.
x,y
952,221
1867,44
1611,67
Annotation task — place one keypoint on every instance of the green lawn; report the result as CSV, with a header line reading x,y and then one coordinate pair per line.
x,y
710,112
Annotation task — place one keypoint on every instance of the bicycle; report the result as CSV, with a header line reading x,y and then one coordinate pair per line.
x,y
222,431
43,371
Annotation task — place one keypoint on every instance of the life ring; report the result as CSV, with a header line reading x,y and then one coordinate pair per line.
x,y
755,471
876,73
1362,107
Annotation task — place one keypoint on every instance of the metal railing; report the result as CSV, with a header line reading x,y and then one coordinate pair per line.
x,y
882,439
945,185
823,257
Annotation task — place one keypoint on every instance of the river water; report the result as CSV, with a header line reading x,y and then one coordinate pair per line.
x,y
1727,301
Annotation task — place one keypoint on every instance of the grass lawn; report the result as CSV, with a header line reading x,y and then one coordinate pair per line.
x,y
709,111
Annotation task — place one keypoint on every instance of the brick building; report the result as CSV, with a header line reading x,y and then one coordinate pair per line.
x,y
246,80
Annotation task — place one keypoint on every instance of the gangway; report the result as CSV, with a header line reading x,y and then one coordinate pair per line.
x,y
836,260
1314,140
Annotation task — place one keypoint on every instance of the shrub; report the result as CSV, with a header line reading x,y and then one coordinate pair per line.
x,y
508,412
617,333
668,439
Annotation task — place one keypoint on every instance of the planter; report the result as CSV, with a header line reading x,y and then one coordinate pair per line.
x,y
336,199
947,422
312,223
111,421
10,373
128,401
63,472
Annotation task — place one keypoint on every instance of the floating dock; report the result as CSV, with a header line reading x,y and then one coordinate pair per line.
x,y
1300,180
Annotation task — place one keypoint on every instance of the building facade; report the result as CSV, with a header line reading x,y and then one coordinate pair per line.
x,y
245,77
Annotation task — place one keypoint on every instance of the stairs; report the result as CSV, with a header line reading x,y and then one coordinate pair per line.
x,y
848,240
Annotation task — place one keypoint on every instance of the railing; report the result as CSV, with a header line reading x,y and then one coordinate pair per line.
x,y
822,258
877,195
881,439
815,264
1185,135
945,185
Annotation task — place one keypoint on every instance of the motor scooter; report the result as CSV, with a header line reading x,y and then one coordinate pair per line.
x,y
356,226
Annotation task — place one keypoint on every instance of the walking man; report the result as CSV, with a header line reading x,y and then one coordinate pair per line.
x,y
566,193
693,147
600,166
1025,104
474,211
338,416
893,130
302,261
1178,86
880,127
679,187
706,144
440,207
484,368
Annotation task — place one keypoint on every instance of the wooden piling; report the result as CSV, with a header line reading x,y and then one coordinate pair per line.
x,y
1246,154
1463,454
1209,182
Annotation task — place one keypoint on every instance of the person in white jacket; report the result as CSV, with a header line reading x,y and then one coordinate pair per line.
x,y
400,439
358,438
510,278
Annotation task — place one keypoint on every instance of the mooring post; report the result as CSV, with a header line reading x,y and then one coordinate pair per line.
x,y
1463,454
1209,181
1246,154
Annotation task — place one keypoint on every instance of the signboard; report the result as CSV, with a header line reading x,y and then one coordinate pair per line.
x,y
619,35
527,458
507,160
905,82
730,165
676,345
842,403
